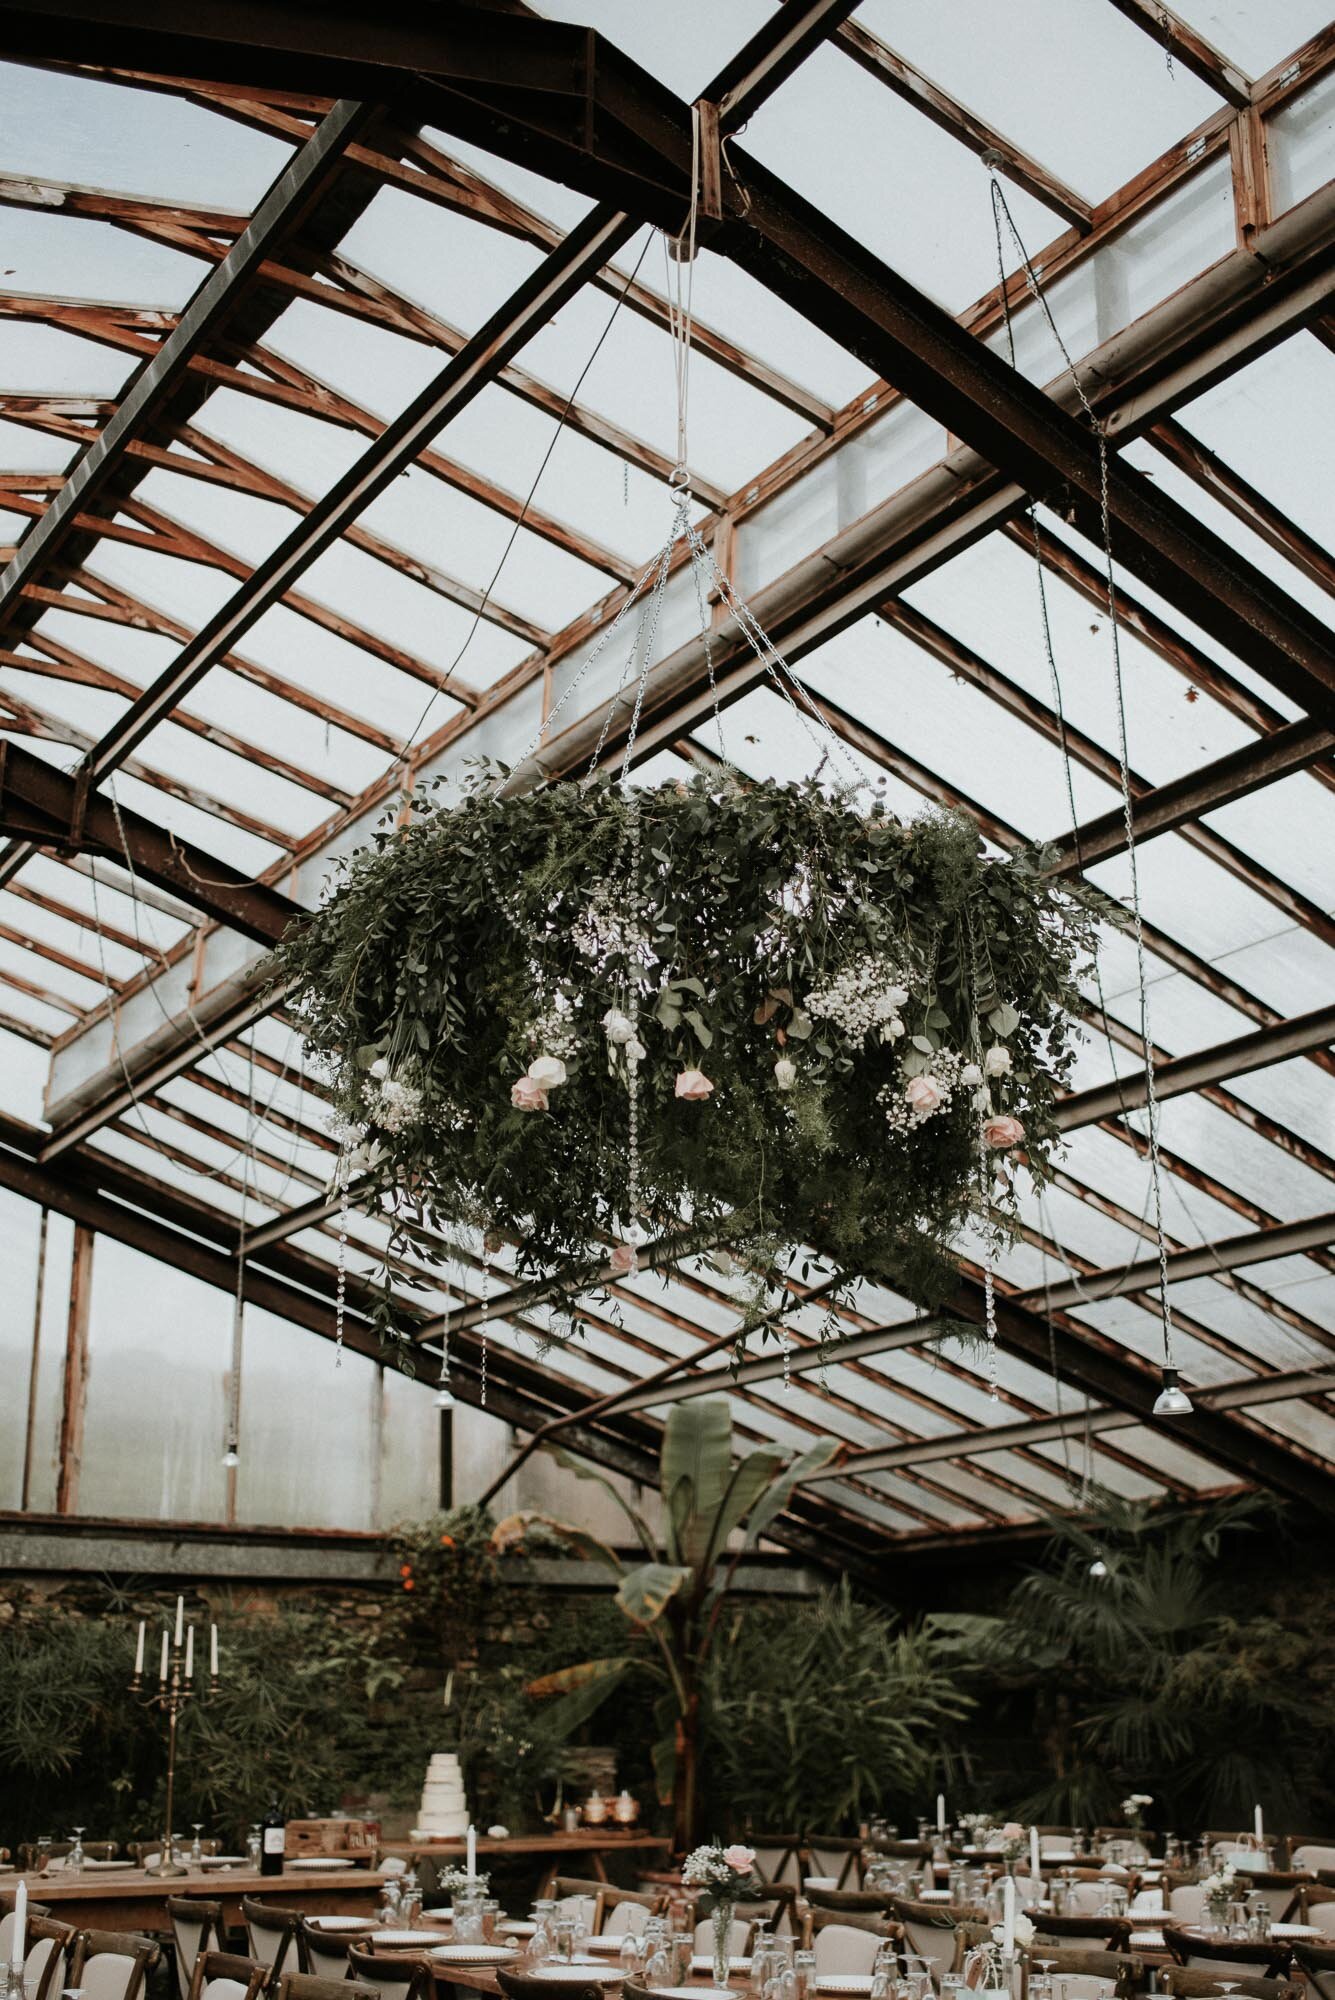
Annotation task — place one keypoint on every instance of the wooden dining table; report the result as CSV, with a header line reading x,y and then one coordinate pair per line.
x,y
128,1899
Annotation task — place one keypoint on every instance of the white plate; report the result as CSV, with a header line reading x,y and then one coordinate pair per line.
x,y
512,1926
225,1861
473,1954
844,1982
1295,1930
696,1993
934,1895
1151,1940
407,1939
98,1866
604,1943
584,1975
703,1961
1058,1854
341,1923
313,1861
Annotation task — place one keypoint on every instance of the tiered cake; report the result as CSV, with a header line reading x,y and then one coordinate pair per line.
x,y
444,1813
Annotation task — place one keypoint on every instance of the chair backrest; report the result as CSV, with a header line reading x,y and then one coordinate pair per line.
x,y
1090,1975
741,1936
1320,1914
274,1935
395,1975
1317,1962
1187,1904
842,1947
220,1975
1111,1932
532,1986
1182,1984
1088,1898
195,1926
1225,1956
778,1857
307,1986
834,1857
579,1904
327,1951
931,1931
1312,1854
859,1902
49,1948
111,1965
627,1911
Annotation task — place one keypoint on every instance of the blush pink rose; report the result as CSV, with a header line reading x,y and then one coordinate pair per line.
x,y
1003,1132
1012,1829
526,1095
923,1095
623,1260
743,1859
694,1084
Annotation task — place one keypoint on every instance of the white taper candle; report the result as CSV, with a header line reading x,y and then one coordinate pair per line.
x,y
190,1652
213,1651
940,1812
162,1670
139,1650
1008,1916
1034,1858
472,1852
1260,1823
180,1618
18,1949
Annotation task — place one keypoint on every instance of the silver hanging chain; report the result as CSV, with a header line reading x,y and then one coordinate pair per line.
x,y
1001,207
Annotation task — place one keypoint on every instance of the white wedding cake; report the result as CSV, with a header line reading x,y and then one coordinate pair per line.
x,y
444,1811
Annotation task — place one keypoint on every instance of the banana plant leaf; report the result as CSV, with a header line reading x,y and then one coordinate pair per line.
x,y
749,1479
581,1689
584,1543
663,1753
644,1593
780,1493
582,1471
695,1467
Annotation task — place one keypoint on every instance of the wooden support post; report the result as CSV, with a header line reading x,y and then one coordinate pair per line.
x,y
75,1392
1251,174
39,1293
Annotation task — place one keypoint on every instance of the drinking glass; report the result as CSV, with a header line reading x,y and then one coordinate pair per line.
x,y
43,1852
253,1846
196,1846
75,1858
953,1986
540,1944
681,1946
564,1942
804,1974
628,1958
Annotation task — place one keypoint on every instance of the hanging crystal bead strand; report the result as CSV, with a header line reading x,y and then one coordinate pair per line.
x,y
486,1310
633,1015
341,1283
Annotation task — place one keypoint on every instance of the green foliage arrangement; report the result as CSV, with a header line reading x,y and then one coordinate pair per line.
x,y
836,1024
781,1690
1171,1668
713,1512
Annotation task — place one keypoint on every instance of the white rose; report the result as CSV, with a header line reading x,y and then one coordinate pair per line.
x,y
635,1050
785,1073
379,1069
893,1029
997,1061
547,1072
971,1075
897,995
617,1026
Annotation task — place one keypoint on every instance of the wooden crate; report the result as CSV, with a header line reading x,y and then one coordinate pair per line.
x,y
352,1840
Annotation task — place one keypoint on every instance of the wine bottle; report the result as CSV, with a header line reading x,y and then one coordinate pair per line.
x,y
273,1839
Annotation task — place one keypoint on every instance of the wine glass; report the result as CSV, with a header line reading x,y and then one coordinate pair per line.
x,y
196,1847
74,1859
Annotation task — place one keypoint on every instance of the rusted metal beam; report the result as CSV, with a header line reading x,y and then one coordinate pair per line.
x,y
293,195
1251,1392
1205,1260
74,1384
1243,501
881,61
1234,776
35,793
1238,1057
779,46
1179,40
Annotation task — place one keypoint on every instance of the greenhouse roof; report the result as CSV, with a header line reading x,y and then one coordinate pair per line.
x,y
336,422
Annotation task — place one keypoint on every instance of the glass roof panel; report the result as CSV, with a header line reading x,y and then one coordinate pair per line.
x,y
1004,65
1255,37
1271,422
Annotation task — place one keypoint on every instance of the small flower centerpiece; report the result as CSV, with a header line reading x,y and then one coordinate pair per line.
x,y
458,1882
1011,1842
725,1874
1133,1808
1218,1891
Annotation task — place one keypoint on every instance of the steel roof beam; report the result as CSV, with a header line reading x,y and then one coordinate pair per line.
x,y
1251,1392
1238,1057
33,792
289,201
1204,1260
1182,43
1290,749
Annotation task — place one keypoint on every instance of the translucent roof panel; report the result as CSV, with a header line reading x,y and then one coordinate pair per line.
x,y
468,600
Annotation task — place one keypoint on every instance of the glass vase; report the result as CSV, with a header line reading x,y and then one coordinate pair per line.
x,y
723,1916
